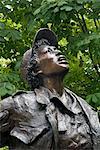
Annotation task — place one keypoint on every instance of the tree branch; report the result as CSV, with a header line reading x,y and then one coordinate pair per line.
x,y
95,66
80,22
84,24
85,30
95,23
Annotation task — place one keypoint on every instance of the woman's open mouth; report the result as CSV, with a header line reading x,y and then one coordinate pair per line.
x,y
62,61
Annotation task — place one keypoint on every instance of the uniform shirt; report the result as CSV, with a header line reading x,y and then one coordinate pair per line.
x,y
41,120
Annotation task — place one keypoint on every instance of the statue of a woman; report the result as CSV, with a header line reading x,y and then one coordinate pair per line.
x,y
49,117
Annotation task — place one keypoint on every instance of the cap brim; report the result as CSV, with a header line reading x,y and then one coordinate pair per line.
x,y
45,33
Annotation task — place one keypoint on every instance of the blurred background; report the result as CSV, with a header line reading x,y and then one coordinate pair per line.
x,y
77,25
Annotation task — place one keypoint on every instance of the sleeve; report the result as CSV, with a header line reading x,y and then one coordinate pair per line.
x,y
93,120
5,107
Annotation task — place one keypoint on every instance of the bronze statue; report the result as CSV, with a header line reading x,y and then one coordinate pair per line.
x,y
49,117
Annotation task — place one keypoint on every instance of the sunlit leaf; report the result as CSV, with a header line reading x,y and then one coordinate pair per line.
x,y
66,8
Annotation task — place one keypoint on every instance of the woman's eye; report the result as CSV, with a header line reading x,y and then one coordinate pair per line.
x,y
49,50
45,52
58,54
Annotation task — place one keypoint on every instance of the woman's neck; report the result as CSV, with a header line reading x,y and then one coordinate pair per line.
x,y
54,83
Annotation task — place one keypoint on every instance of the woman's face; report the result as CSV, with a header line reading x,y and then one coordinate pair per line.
x,y
51,61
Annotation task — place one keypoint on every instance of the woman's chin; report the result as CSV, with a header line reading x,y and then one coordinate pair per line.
x,y
61,69
64,65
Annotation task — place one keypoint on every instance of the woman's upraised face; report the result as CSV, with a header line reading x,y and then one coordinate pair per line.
x,y
51,61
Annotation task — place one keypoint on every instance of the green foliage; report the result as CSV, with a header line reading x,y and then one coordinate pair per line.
x,y
10,77
94,99
77,24
17,30
4,148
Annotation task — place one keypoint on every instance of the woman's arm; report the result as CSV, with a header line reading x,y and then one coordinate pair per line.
x,y
5,107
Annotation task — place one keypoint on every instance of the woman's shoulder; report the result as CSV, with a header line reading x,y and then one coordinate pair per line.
x,y
89,111
25,100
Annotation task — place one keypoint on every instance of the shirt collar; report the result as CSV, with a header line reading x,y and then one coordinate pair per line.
x,y
67,100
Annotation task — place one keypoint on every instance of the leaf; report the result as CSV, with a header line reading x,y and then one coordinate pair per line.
x,y
83,1
97,95
37,11
56,10
3,91
9,86
87,39
14,34
77,8
94,98
60,3
18,64
2,25
98,98
51,5
4,33
2,39
96,5
66,8
63,42
63,15
98,108
88,98
30,25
